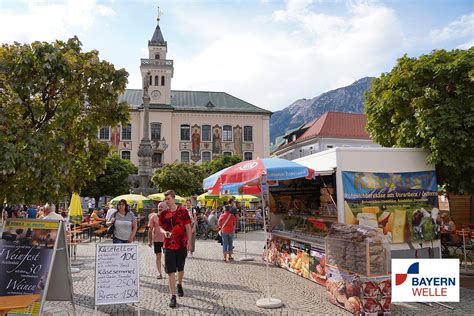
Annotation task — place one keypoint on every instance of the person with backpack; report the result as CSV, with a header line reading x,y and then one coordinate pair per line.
x,y
227,228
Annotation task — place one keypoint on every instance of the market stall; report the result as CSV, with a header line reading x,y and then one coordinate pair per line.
x,y
301,214
390,192
393,190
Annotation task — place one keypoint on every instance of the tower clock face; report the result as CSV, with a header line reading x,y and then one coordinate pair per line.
x,y
155,94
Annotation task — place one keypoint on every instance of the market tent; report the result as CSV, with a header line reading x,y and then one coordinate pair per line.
x,y
257,173
161,197
75,209
139,200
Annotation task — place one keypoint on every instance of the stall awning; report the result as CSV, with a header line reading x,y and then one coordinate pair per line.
x,y
324,172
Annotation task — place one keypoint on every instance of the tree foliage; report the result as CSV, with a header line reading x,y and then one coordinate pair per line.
x,y
211,167
114,180
428,102
54,97
185,179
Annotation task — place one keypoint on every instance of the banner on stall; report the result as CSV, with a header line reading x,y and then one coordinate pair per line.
x,y
402,205
33,256
117,278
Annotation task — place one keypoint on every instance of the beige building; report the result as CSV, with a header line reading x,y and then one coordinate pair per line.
x,y
188,126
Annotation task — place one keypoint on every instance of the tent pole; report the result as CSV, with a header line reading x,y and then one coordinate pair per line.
x,y
245,258
268,301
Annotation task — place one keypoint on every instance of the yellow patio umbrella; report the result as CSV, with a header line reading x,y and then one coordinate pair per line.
x,y
75,209
247,198
206,197
161,197
140,200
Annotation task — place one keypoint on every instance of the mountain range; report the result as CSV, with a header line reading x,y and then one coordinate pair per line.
x,y
345,99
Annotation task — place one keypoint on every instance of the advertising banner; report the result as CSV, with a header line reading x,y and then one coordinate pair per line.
x,y
402,205
26,255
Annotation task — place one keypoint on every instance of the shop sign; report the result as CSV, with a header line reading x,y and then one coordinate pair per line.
x,y
425,280
401,205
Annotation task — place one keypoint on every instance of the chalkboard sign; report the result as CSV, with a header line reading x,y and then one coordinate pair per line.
x,y
117,279
31,251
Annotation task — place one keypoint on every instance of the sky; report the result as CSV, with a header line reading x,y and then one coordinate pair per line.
x,y
269,53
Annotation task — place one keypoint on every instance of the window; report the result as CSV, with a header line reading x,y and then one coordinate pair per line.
x,y
157,56
185,132
126,154
227,133
185,156
155,131
151,80
206,156
227,153
248,155
156,158
127,132
329,146
248,134
162,80
156,80
104,133
206,133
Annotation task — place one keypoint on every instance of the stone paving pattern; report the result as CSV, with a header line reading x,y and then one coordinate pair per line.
x,y
213,287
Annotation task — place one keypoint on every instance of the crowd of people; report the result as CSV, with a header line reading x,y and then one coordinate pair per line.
x,y
172,230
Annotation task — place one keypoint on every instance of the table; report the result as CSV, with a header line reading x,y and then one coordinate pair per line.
x,y
90,227
7,303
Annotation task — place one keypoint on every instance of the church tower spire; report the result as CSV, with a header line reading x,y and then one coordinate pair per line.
x,y
159,68
157,38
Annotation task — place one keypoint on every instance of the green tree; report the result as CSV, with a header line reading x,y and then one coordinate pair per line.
x,y
114,180
428,102
185,179
211,167
53,99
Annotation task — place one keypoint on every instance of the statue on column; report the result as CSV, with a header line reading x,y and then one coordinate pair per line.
x,y
146,83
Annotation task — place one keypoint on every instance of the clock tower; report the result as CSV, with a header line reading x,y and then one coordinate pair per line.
x,y
157,68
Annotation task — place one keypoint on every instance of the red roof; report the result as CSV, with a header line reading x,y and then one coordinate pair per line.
x,y
338,125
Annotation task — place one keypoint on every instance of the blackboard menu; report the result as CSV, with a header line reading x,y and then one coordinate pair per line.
x,y
116,274
27,249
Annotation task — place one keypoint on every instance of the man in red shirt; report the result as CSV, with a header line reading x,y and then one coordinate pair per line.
x,y
175,224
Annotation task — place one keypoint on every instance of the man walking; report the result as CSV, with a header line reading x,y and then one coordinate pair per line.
x,y
175,224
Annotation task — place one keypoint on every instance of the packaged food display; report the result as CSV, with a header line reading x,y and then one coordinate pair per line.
x,y
297,257
358,249
359,294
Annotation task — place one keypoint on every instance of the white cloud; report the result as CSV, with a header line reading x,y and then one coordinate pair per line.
x,y
48,21
466,45
301,54
460,28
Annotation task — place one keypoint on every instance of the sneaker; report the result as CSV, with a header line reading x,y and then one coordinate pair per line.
x,y
179,287
173,301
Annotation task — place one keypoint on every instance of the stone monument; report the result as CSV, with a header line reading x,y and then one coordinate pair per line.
x,y
142,182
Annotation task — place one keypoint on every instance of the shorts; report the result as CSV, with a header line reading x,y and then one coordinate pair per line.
x,y
158,245
174,260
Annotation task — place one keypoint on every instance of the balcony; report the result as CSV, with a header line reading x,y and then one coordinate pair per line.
x,y
157,62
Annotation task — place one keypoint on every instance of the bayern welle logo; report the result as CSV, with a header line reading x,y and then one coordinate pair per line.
x,y
425,280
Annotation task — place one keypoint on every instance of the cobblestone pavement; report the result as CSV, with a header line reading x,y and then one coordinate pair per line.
x,y
214,287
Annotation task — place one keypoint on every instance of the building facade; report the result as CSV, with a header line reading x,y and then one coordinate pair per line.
x,y
330,130
187,126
